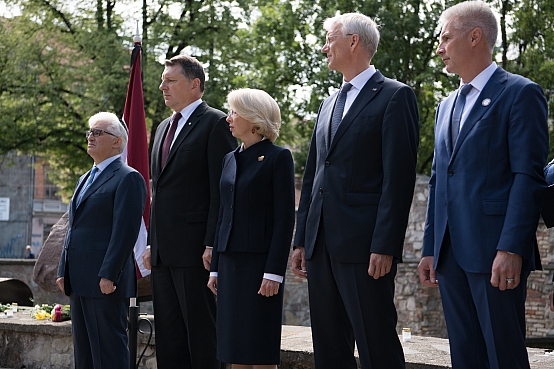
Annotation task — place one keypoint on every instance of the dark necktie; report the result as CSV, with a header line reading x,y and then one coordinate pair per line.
x,y
339,109
169,138
87,185
458,110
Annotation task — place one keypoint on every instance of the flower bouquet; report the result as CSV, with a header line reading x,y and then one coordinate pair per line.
x,y
56,312
61,313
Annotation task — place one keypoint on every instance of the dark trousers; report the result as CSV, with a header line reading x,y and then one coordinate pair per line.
x,y
348,306
184,318
486,326
99,332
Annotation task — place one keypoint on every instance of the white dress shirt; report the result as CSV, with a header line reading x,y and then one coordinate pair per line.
x,y
478,84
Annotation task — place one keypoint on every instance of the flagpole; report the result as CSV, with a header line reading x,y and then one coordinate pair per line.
x,y
133,332
135,120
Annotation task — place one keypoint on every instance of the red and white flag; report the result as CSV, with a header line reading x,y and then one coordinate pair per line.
x,y
136,152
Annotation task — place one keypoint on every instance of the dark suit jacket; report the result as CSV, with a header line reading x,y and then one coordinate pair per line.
x,y
102,232
488,188
185,194
259,216
363,184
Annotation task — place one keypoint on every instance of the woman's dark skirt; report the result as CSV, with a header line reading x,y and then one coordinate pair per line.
x,y
248,324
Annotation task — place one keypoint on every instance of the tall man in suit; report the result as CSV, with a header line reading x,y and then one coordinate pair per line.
x,y
186,163
485,195
97,268
356,195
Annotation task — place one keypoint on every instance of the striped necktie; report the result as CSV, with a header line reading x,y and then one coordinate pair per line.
x,y
87,185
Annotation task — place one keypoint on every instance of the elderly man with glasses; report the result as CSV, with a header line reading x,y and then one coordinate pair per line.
x,y
97,269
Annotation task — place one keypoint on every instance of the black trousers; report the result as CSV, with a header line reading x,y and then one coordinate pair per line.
x,y
184,317
348,306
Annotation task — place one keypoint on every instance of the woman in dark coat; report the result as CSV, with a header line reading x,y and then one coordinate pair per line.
x,y
253,237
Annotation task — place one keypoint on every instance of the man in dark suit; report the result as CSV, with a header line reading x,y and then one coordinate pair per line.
x,y
485,195
356,195
186,163
97,268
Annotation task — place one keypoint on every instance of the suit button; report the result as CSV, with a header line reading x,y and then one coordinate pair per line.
x,y
327,163
159,190
231,188
320,191
450,173
231,206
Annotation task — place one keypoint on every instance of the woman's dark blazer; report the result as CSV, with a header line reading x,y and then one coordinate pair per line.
x,y
266,213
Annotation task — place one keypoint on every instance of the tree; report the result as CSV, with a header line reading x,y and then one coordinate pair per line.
x,y
60,63
533,37
56,70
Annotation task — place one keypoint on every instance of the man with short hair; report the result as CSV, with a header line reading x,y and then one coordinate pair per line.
x,y
186,163
485,195
97,267
356,195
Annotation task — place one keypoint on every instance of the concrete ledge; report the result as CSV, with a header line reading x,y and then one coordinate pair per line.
x,y
25,342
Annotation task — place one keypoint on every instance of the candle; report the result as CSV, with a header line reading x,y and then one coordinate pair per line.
x,y
406,334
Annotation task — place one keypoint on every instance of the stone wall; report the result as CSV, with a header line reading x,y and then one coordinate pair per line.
x,y
419,307
22,269
27,343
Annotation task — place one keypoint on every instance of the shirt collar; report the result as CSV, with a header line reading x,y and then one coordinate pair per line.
x,y
187,111
361,79
482,78
103,165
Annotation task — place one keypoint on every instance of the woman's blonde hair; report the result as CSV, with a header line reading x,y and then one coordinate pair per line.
x,y
257,107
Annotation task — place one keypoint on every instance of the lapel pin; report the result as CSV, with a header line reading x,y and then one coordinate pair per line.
x,y
261,158
190,123
374,89
486,102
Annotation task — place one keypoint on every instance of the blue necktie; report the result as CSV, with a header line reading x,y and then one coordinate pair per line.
x,y
457,113
87,185
339,109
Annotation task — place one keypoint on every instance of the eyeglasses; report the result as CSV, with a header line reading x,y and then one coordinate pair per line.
x,y
232,114
98,132
331,38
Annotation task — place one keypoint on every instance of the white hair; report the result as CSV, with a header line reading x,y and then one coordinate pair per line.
x,y
257,107
359,24
473,14
114,124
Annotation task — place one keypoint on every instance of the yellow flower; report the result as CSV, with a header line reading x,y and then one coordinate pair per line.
x,y
41,315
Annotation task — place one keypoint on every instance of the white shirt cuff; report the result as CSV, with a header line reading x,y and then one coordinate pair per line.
x,y
273,277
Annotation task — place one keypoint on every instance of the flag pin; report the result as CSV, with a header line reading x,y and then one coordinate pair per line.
x,y
261,158
486,102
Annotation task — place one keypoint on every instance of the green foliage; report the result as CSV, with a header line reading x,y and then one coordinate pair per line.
x,y
60,63
533,37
